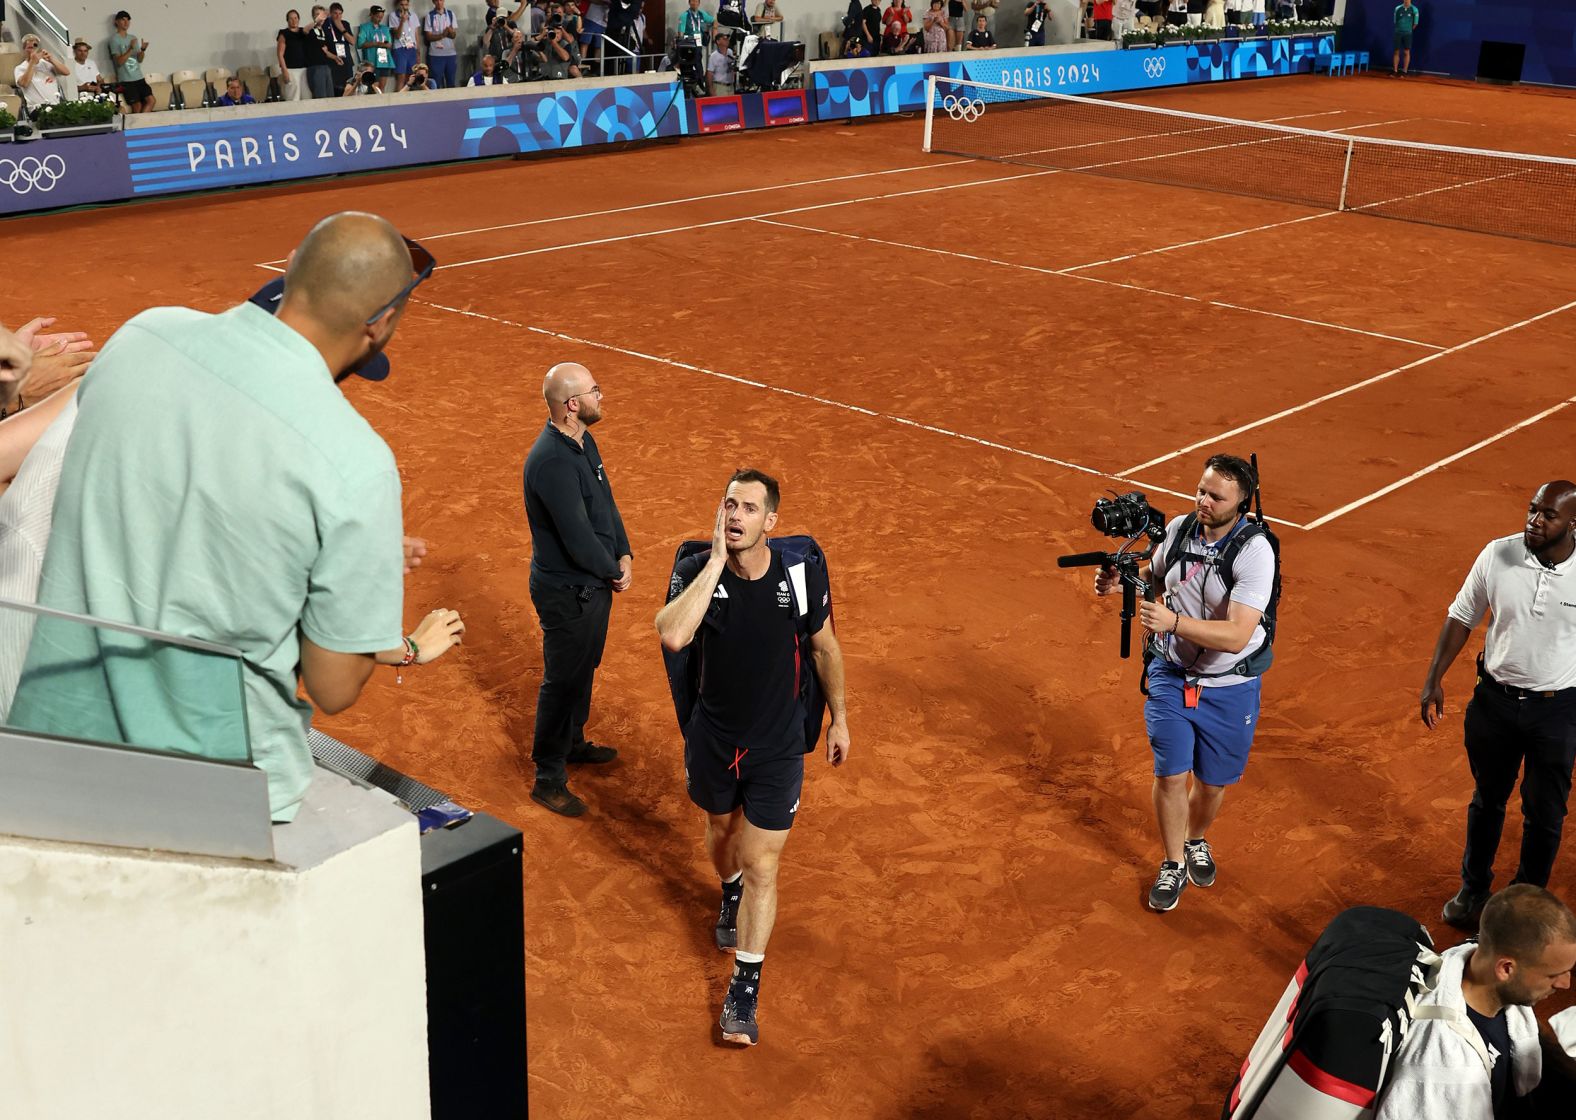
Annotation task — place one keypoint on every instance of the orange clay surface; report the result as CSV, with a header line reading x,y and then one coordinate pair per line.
x,y
962,930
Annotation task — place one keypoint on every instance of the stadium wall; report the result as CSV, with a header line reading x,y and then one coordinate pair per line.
x,y
1451,32
204,149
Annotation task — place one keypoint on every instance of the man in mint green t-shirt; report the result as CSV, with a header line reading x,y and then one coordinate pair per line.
x,y
375,44
219,486
128,52
1406,20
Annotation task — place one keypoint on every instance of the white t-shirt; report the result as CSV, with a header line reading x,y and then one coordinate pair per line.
x,y
1532,632
1258,7
26,514
84,73
1195,590
43,89
720,68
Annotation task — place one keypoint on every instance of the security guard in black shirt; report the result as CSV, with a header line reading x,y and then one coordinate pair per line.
x,y
579,557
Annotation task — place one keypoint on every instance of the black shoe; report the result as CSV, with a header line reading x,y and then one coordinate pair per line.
x,y
1168,888
1199,861
555,796
727,928
592,753
738,1017
1465,907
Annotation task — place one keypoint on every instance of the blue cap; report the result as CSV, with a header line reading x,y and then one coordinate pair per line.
x,y
375,368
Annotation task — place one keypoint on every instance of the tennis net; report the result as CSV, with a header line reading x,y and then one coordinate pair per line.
x,y
1507,193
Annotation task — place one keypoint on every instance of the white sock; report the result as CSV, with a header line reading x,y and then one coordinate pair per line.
x,y
748,958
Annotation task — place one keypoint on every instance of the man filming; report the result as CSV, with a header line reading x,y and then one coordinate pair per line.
x,y
1215,570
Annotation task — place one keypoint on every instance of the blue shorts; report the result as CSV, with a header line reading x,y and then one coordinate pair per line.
x,y
1211,740
404,59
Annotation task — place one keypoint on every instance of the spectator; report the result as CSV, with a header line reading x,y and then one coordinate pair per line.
x,y
489,74
595,27
406,53
235,93
695,24
499,33
1176,12
854,45
84,72
768,20
870,25
986,8
557,46
719,68
1036,18
341,39
320,55
1195,15
894,27
573,26
376,46
1472,1052
37,74
1258,14
316,599
980,39
439,30
957,25
937,37
538,15
128,51
1102,12
292,46
418,80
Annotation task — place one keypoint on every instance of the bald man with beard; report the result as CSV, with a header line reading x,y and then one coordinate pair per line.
x,y
219,486
1523,710
579,557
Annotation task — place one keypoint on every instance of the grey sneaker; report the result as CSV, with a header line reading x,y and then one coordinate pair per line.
x,y
1200,862
1168,888
738,1016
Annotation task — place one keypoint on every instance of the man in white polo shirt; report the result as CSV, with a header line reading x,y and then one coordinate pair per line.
x,y
1524,706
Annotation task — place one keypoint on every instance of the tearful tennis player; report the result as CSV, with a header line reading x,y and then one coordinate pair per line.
x,y
752,613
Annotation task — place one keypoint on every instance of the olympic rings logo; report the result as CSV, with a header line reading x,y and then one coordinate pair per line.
x,y
31,173
963,108
1154,67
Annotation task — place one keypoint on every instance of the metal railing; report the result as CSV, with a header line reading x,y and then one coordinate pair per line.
x,y
45,21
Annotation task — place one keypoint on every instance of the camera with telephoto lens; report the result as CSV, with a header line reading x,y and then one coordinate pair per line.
x,y
1126,515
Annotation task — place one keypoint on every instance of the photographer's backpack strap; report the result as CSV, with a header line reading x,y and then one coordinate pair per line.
x,y
1257,662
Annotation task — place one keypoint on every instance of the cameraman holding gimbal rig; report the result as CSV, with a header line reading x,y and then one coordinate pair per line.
x,y
1217,571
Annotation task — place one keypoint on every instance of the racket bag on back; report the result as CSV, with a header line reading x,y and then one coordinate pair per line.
x,y
1326,1051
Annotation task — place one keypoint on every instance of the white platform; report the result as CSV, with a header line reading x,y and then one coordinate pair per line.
x,y
144,985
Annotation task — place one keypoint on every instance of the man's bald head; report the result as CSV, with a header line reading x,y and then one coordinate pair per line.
x,y
1561,492
350,265
569,389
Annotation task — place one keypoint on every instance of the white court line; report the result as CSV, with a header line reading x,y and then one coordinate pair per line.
x,y
1100,280
870,412
1352,388
1432,467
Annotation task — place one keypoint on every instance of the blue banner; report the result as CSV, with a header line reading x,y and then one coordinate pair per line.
x,y
44,174
392,133
866,91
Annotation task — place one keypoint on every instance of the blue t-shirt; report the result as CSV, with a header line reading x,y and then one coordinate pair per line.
x,y
1496,1037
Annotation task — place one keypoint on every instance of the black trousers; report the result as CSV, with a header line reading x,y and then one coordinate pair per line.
x,y
1502,733
574,630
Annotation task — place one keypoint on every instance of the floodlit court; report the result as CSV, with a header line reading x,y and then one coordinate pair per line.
x,y
946,357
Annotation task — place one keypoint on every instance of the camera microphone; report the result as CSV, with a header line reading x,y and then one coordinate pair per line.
x,y
1083,560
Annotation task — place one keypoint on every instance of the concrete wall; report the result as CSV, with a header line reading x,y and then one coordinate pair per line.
x,y
144,986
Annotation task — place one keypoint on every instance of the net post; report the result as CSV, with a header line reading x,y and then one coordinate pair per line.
x,y
1346,173
930,106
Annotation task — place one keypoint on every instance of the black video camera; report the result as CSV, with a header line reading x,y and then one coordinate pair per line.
x,y
1126,515
1131,516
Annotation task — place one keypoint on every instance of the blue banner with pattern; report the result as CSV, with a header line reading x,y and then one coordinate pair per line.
x,y
388,132
867,91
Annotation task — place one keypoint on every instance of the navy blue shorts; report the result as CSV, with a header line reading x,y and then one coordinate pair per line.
x,y
721,777
1211,740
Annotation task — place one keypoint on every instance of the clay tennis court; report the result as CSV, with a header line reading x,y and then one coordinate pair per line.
x,y
945,364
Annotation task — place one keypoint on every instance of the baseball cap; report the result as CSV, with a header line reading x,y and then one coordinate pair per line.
x,y
377,8
375,368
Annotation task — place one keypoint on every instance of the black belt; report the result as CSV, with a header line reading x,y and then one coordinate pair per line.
x,y
1517,693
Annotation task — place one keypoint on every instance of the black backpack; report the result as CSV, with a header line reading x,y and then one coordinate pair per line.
x,y
1259,660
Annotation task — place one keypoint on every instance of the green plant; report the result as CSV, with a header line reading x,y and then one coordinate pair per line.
x,y
6,119
72,113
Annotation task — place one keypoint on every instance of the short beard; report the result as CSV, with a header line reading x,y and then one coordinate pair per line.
x,y
1512,993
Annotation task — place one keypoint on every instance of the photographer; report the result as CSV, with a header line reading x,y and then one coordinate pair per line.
x,y
557,46
364,82
1216,571
37,75
418,80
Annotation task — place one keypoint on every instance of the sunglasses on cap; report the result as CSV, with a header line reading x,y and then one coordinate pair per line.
x,y
421,266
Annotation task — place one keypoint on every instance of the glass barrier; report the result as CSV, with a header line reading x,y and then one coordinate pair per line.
x,y
106,682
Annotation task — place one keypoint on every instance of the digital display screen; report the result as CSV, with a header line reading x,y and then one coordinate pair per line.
x,y
720,114
788,106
